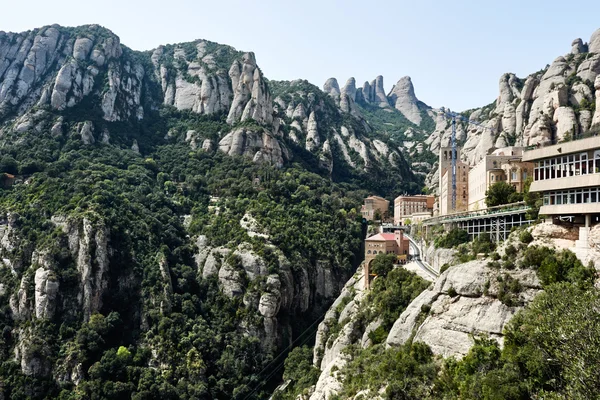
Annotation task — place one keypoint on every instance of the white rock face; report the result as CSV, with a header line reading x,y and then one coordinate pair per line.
x,y
87,133
566,122
402,97
89,246
260,146
251,99
578,47
452,320
348,97
332,88
328,351
594,44
46,67
312,136
596,119
46,289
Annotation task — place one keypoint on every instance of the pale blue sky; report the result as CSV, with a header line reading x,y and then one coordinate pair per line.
x,y
455,52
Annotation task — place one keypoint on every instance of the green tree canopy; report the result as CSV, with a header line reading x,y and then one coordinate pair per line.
x,y
383,264
499,193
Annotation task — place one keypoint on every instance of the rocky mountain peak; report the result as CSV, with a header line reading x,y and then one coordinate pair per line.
x,y
332,88
348,97
402,96
594,45
578,47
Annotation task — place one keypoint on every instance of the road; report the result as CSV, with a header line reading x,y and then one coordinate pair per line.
x,y
414,251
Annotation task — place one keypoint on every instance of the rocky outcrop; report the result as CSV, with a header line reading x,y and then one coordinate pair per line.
x,y
46,290
332,88
374,92
596,119
594,44
348,97
578,47
463,303
251,99
260,146
242,273
328,351
312,133
88,243
402,96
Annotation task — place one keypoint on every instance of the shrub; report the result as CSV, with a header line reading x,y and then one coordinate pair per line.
x,y
452,238
452,292
526,237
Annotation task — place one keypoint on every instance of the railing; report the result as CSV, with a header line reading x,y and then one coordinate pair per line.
x,y
490,211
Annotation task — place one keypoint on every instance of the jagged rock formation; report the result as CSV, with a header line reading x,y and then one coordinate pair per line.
x,y
348,97
473,311
373,93
402,96
272,295
260,146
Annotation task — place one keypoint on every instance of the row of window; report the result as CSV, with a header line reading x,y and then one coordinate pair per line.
x,y
566,166
574,196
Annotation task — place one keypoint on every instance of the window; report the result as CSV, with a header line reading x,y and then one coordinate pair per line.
x,y
513,175
525,175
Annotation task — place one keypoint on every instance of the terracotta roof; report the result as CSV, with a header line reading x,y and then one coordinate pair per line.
x,y
383,237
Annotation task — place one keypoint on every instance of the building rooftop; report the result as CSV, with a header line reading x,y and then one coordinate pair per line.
x,y
556,150
376,198
383,237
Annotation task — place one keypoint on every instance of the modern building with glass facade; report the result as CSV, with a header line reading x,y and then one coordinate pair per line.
x,y
568,176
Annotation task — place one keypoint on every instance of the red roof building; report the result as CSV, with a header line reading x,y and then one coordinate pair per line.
x,y
384,243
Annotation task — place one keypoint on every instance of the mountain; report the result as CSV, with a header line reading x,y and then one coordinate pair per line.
x,y
176,221
173,223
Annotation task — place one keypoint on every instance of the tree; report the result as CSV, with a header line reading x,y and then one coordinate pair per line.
x,y
532,199
499,193
382,264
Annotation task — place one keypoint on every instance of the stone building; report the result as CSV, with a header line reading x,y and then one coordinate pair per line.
x,y
406,206
384,243
502,165
462,184
372,205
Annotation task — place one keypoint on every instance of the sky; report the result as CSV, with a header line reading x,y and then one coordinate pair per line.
x,y
455,52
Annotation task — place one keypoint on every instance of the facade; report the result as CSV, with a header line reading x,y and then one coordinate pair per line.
x,y
384,243
462,189
502,165
568,177
372,205
405,206
418,217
